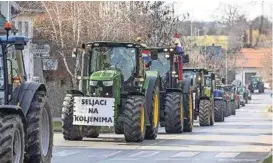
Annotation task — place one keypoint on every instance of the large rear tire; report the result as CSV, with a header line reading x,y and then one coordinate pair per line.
x,y
134,119
151,131
12,139
39,140
188,103
204,113
219,110
173,111
70,132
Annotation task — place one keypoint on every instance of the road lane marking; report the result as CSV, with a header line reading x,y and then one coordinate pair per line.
x,y
227,155
64,153
112,154
186,154
144,154
104,154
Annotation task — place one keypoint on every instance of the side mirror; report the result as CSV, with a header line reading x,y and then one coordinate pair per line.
x,y
212,76
186,59
83,46
224,80
154,54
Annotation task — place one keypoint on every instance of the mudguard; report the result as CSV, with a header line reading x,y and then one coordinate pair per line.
x,y
73,91
173,90
13,109
151,78
24,94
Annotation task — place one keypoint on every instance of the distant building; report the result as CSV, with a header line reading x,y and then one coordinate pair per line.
x,y
252,62
7,11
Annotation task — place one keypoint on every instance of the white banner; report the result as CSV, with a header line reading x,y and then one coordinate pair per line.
x,y
93,111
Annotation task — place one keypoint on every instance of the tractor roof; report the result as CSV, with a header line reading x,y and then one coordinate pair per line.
x,y
195,69
14,39
115,44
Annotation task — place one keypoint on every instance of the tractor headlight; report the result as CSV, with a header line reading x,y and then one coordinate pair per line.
x,y
173,72
165,50
167,56
171,50
93,83
107,83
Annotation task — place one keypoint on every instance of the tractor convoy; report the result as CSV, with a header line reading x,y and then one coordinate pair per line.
x,y
135,89
125,85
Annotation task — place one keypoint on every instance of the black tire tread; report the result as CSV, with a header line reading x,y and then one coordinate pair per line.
x,y
132,118
204,113
233,108
173,122
70,132
188,123
8,123
219,110
33,141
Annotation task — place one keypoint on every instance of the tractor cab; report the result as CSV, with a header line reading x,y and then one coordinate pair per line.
x,y
12,71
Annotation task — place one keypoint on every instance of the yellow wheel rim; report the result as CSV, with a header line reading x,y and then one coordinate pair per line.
x,y
155,111
190,106
142,119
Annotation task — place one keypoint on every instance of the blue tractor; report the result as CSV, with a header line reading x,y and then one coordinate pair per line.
x,y
25,120
219,101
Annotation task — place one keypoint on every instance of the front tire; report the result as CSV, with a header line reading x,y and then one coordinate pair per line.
x,y
134,119
70,132
39,140
152,131
233,108
173,111
219,111
204,113
188,122
12,139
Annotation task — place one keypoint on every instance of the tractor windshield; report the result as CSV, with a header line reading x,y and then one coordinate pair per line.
x,y
254,79
162,64
207,81
189,74
119,58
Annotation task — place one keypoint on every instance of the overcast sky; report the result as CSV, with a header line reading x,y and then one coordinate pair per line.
x,y
205,10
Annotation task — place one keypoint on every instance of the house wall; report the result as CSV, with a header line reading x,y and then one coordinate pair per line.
x,y
240,73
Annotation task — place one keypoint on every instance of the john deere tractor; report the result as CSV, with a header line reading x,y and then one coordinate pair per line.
x,y
202,94
116,91
256,83
176,111
26,133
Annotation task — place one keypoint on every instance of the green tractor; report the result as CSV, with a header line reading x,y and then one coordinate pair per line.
x,y
202,94
176,111
116,91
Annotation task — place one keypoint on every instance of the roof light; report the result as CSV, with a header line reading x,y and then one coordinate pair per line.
x,y
8,26
130,45
96,44
165,50
171,50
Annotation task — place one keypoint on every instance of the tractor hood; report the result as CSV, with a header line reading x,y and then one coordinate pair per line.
x,y
104,75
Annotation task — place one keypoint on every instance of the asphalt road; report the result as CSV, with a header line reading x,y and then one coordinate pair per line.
x,y
245,137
